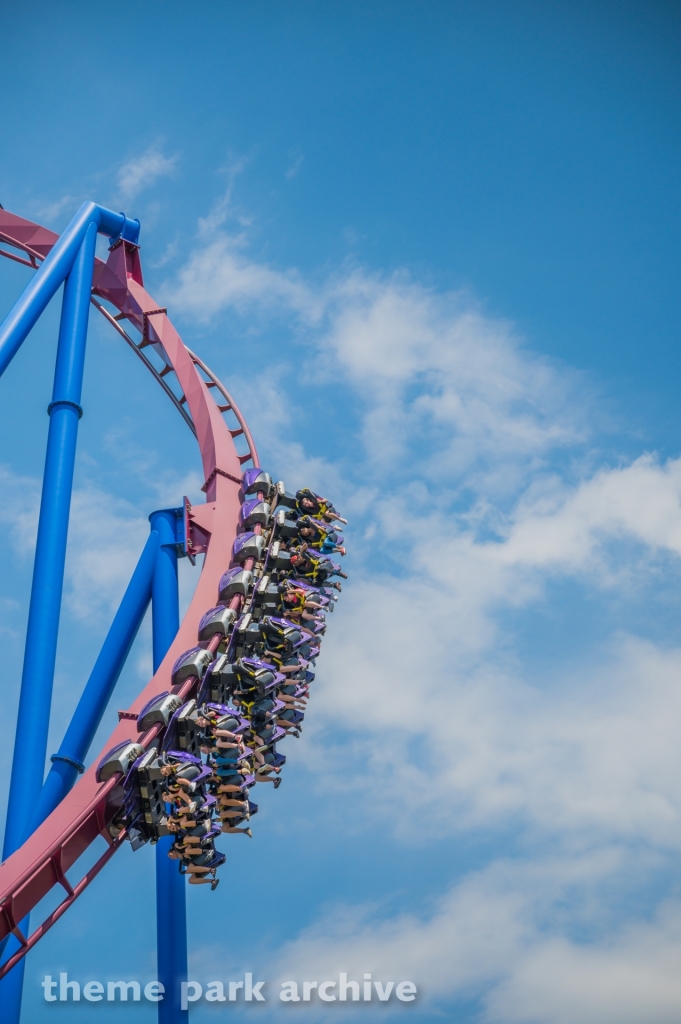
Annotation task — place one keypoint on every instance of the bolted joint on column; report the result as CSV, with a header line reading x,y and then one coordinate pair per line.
x,y
78,765
172,532
66,402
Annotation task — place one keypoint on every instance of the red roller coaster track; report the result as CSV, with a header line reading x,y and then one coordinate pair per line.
x,y
86,812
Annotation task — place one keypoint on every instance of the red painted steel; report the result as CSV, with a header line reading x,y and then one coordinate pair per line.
x,y
86,812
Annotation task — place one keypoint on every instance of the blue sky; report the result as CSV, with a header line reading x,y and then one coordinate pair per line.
x,y
433,250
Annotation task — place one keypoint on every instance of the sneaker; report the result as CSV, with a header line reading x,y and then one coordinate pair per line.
x,y
247,832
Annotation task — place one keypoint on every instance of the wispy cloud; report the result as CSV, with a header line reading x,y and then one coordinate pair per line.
x,y
48,212
476,494
219,275
489,937
477,498
293,170
143,171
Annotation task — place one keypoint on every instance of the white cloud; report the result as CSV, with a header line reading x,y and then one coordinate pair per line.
x,y
425,365
106,537
641,501
429,714
218,275
48,212
143,171
293,170
491,937
463,518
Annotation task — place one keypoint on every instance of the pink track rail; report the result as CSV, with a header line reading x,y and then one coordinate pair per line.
x,y
42,862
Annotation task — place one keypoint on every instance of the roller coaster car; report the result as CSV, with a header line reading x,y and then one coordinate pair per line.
x,y
257,675
309,652
253,513
118,760
293,717
284,528
286,500
317,592
209,858
267,596
235,581
269,735
137,837
248,545
144,785
281,632
193,662
252,810
183,732
146,777
219,682
189,734
247,634
265,709
228,717
272,760
187,766
279,559
216,620
158,709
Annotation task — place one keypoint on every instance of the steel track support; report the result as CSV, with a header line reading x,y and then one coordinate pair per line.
x,y
53,271
30,744
67,763
171,910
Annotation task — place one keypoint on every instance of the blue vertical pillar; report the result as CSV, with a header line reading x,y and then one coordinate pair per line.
x,y
171,910
68,761
30,744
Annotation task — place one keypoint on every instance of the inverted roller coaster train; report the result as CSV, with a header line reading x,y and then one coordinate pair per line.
x,y
230,681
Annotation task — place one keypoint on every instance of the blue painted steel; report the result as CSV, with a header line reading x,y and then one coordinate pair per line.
x,y
171,911
67,763
71,260
53,271
80,733
30,743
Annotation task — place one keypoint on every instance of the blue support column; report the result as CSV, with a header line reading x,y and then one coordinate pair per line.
x,y
48,278
67,763
30,744
171,911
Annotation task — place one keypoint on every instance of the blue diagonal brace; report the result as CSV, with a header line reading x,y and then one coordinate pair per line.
x,y
68,762
26,311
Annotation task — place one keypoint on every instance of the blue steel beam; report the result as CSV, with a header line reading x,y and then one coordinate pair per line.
x,y
48,278
33,719
30,743
67,763
171,910
71,260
